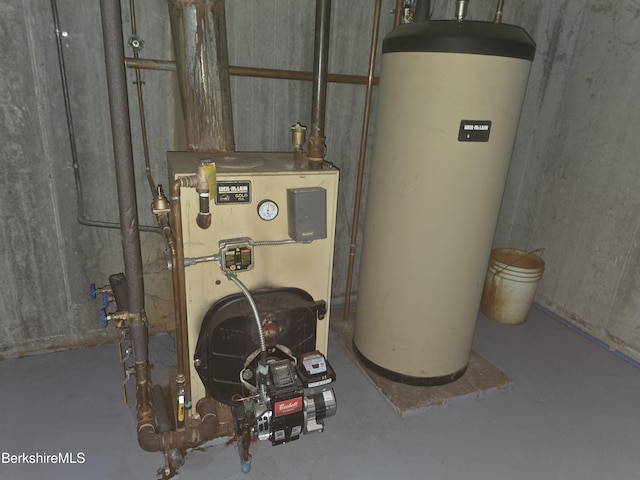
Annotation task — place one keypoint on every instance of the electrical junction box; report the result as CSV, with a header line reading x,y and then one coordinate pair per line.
x,y
236,255
251,203
307,216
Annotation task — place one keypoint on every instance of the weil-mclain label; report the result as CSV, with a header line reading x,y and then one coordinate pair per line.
x,y
474,130
233,192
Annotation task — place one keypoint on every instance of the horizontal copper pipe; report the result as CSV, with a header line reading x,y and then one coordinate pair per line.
x,y
169,65
150,64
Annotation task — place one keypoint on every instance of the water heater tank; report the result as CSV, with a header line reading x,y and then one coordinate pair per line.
x,y
448,107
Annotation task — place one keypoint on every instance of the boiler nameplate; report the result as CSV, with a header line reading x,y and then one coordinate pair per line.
x,y
238,191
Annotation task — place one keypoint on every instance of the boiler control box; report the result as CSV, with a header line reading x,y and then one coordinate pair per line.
x,y
307,213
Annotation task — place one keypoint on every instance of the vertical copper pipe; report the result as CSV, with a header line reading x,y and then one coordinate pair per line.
x,y
143,122
398,13
163,221
361,160
182,332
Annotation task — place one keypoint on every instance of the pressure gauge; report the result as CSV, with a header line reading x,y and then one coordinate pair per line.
x,y
267,210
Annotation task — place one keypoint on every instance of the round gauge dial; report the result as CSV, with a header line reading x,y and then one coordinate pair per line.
x,y
268,210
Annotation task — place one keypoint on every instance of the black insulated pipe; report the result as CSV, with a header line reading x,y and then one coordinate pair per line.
x,y
125,178
423,11
163,418
317,146
320,66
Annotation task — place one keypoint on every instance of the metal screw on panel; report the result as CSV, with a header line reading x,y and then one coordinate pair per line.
x,y
197,362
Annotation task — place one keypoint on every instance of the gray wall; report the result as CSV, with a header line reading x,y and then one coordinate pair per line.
x,y
573,182
570,187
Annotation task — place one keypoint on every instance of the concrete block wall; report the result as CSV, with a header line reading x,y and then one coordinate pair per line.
x,y
570,188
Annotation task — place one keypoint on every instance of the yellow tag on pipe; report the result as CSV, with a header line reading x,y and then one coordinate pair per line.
x,y
210,172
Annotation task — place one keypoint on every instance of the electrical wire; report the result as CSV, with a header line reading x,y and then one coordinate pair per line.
x,y
254,308
262,367
265,243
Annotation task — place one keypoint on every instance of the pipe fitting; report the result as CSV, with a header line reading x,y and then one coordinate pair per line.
x,y
317,151
461,9
499,8
160,204
206,174
204,181
194,435
298,134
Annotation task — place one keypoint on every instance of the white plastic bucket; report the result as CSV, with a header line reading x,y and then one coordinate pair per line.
x,y
510,285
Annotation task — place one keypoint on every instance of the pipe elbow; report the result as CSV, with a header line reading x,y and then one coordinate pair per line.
x,y
148,439
203,220
209,424
175,188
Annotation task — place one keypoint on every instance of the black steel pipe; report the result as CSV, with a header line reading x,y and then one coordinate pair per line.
x,y
163,418
317,147
423,11
152,440
125,178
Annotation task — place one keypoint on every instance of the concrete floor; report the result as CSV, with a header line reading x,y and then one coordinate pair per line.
x,y
570,413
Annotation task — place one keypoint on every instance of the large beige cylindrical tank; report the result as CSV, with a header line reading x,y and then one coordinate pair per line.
x,y
448,108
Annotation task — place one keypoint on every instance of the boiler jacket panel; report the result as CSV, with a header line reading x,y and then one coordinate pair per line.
x,y
307,266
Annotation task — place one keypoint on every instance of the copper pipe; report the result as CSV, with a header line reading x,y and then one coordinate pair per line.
x,y
498,17
361,160
143,123
297,75
254,72
175,242
150,64
182,336
398,13
163,221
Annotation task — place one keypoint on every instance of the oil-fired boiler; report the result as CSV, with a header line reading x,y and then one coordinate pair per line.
x,y
258,288
448,109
